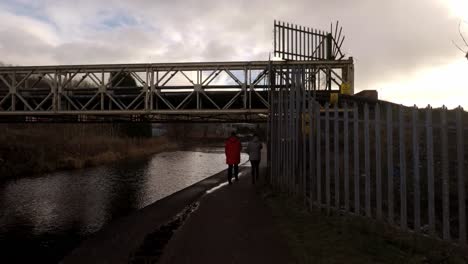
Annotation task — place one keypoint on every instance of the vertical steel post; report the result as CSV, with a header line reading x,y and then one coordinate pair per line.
x,y
319,157
403,202
288,43
312,160
357,207
295,157
416,174
270,83
378,163
445,176
305,116
288,135
430,171
346,156
461,176
367,161
336,157
274,38
308,43
390,163
281,123
300,43
283,49
55,88
102,87
327,156
244,86
145,87
296,42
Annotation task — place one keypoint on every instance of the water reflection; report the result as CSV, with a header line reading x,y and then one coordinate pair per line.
x,y
47,216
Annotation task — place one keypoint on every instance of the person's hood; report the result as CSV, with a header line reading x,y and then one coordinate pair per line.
x,y
232,139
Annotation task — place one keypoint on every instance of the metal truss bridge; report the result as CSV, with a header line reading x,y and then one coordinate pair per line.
x,y
174,92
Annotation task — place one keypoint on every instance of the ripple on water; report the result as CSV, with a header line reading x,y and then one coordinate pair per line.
x,y
50,214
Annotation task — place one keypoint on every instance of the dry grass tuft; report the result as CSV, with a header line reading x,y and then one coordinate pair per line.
x,y
36,148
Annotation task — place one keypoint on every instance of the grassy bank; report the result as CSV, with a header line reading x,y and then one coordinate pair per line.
x,y
316,238
37,148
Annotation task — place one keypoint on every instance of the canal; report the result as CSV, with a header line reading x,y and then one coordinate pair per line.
x,y
42,218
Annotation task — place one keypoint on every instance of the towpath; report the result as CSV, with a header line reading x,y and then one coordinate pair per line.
x,y
231,225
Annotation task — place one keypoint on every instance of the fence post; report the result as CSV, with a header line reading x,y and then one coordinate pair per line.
x,y
346,157
311,150
378,162
280,136
327,157
296,159
445,176
288,159
282,142
367,161
430,171
461,180
319,158
357,203
271,134
336,158
403,204
390,163
284,138
417,188
304,136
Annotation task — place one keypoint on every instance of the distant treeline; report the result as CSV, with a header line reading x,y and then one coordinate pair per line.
x,y
28,149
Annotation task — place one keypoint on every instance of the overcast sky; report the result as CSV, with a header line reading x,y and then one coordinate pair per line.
x,y
402,48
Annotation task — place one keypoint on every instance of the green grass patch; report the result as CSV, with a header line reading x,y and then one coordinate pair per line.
x,y
317,238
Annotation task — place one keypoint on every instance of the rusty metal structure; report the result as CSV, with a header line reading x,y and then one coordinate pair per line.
x,y
295,42
175,92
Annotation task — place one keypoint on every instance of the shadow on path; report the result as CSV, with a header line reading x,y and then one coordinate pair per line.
x,y
231,225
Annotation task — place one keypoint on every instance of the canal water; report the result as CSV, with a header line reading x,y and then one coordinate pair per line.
x,y
43,218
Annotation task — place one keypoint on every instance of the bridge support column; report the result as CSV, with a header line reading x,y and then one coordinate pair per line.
x,y
244,88
146,91
251,90
12,91
102,91
198,89
58,94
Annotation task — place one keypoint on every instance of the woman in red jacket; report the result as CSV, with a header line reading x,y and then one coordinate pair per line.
x,y
232,148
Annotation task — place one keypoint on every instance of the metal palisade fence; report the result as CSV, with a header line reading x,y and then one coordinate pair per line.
x,y
401,165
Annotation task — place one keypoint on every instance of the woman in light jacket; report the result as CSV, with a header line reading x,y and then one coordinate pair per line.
x,y
254,149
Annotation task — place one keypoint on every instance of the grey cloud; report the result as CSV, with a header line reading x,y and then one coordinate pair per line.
x,y
387,38
20,47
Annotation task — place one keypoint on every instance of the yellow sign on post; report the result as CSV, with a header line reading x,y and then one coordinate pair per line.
x,y
345,88
306,126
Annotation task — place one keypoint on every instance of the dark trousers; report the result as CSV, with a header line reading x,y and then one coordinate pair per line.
x,y
255,164
236,172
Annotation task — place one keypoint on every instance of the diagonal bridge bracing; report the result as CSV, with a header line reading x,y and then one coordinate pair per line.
x,y
185,92
214,91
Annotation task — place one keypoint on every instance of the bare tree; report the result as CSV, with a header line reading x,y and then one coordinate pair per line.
x,y
465,51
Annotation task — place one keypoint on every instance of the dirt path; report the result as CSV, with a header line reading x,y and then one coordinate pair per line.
x,y
231,225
